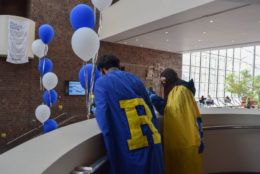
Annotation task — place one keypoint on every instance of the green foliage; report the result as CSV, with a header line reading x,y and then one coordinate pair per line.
x,y
256,87
244,85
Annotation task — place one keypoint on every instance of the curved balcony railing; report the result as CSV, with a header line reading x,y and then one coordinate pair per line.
x,y
224,127
231,144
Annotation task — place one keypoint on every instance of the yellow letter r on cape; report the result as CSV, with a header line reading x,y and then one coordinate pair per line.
x,y
138,140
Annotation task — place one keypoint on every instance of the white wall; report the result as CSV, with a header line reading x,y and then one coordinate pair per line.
x,y
231,150
128,14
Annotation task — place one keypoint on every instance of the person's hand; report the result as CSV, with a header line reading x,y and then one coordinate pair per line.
x,y
158,102
93,110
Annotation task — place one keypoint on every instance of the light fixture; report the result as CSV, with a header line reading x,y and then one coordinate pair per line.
x,y
211,21
125,42
136,40
167,40
258,21
232,41
204,32
166,32
199,40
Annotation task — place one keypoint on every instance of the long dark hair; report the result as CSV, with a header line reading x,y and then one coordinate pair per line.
x,y
172,80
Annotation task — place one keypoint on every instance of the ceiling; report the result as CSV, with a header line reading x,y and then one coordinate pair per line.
x,y
222,23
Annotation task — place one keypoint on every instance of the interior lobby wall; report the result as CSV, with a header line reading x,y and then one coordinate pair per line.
x,y
20,84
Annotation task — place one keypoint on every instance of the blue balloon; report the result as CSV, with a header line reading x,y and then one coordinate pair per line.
x,y
49,125
50,96
82,16
45,66
46,33
82,75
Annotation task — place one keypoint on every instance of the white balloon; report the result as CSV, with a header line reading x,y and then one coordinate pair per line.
x,y
85,43
101,4
42,113
38,48
49,80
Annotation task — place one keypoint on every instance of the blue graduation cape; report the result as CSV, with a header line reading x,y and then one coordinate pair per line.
x,y
128,123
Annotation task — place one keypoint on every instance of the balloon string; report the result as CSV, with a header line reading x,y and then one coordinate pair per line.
x,y
95,13
50,97
86,88
45,53
43,68
89,99
93,75
45,50
40,75
100,23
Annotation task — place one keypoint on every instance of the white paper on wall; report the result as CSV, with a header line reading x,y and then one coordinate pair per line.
x,y
18,36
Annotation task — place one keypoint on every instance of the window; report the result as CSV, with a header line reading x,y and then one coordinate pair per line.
x,y
257,61
186,59
247,59
210,68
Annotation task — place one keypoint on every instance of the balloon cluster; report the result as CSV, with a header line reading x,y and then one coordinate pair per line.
x,y
85,42
48,79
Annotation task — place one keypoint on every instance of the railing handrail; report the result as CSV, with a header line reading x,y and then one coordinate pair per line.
x,y
223,127
34,129
92,168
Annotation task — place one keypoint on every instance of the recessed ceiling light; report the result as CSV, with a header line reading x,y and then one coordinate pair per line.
x,y
244,33
167,40
232,41
166,32
204,32
136,40
211,21
199,40
258,21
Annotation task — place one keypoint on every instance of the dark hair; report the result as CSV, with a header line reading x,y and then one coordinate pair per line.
x,y
108,61
170,75
171,79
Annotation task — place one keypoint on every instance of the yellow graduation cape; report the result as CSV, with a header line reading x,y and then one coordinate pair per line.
x,y
181,133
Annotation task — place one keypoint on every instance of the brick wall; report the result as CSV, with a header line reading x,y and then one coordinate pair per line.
x,y
137,60
19,84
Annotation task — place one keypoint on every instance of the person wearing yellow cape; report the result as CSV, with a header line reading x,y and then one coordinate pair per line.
x,y
182,133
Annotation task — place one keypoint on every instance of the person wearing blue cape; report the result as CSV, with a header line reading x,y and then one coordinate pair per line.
x,y
126,118
182,132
